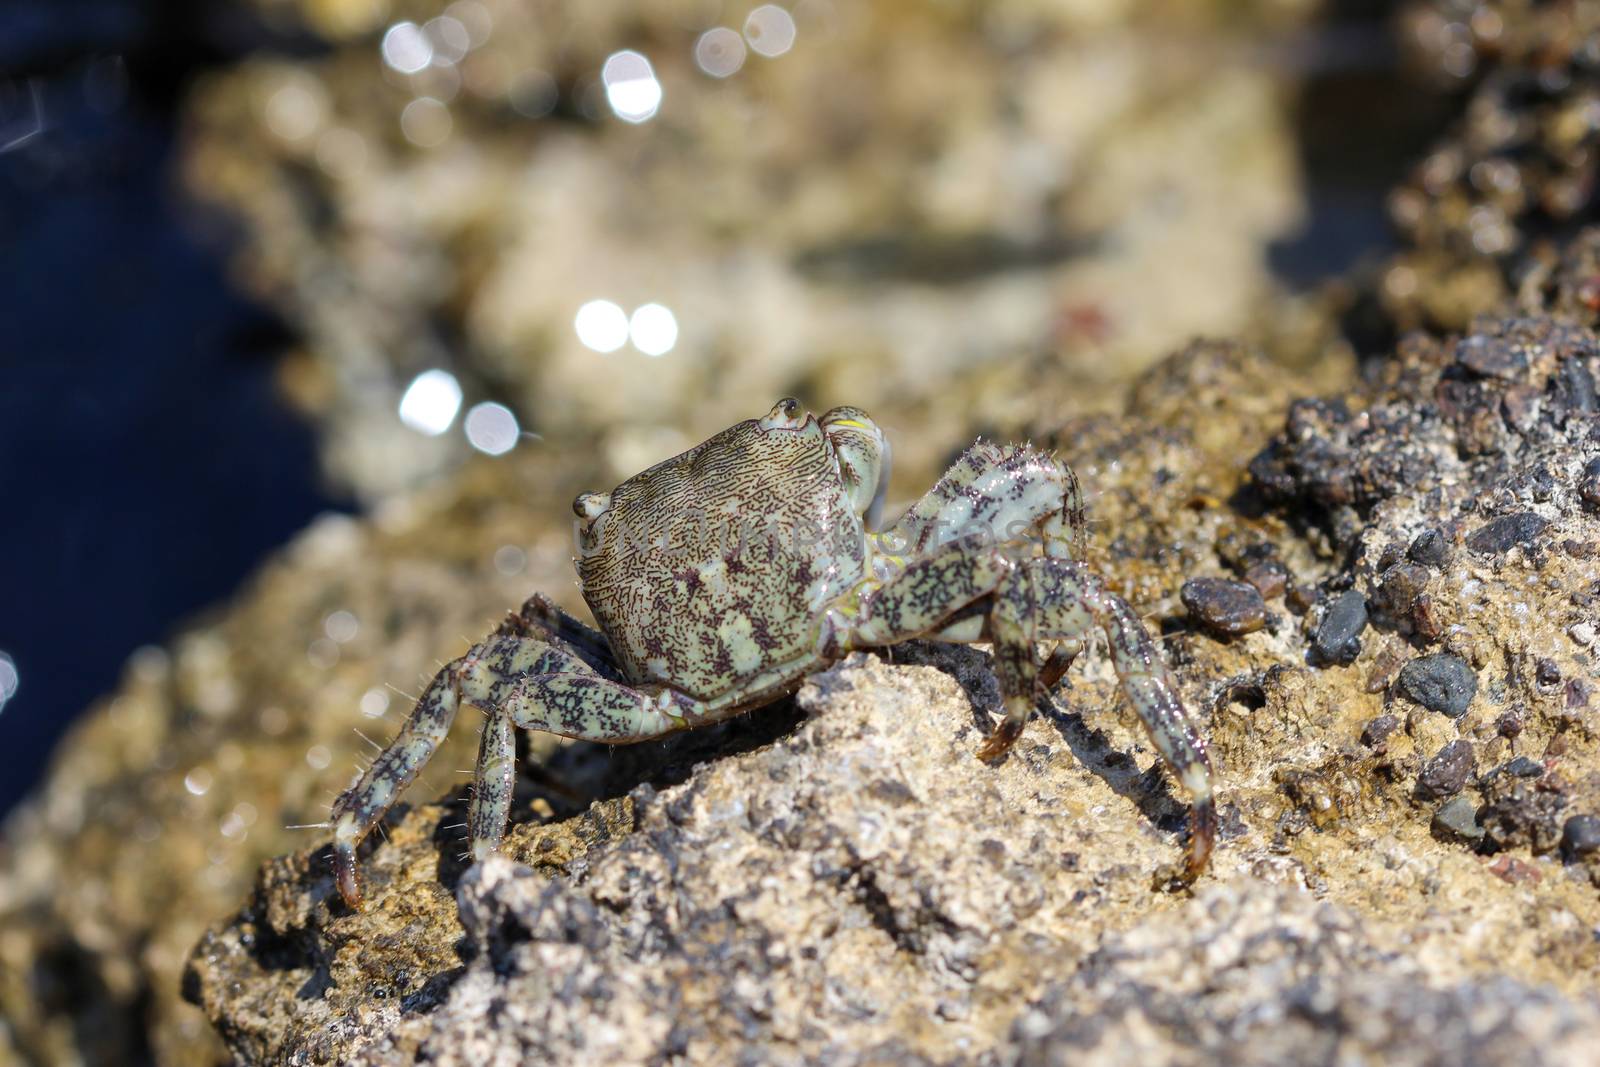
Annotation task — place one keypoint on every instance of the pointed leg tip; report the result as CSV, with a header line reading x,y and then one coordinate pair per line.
x,y
344,862
1005,735
1202,838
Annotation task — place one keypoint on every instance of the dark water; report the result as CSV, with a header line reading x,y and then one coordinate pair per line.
x,y
146,465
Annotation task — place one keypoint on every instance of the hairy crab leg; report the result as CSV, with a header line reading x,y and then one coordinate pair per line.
x,y
484,677
1063,599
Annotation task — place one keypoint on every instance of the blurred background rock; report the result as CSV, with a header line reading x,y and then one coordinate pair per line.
x,y
445,264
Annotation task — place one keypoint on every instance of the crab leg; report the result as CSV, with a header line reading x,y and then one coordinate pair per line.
x,y
484,678
571,704
1062,599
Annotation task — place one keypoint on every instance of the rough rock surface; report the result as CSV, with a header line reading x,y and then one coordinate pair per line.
x,y
861,889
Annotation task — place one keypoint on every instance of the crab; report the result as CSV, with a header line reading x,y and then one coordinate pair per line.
x,y
724,576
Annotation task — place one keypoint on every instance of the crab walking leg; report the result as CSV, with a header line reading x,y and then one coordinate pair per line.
x,y
484,678
572,704
1054,598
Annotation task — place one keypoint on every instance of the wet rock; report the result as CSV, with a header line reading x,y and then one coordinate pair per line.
x,y
1338,635
1504,533
1457,819
1580,836
1448,772
1227,608
1440,682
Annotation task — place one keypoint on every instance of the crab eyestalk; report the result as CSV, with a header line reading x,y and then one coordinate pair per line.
x,y
864,460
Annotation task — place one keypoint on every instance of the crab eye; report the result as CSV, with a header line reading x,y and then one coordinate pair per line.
x,y
785,415
588,506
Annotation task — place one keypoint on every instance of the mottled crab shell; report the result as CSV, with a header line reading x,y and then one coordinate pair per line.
x,y
708,570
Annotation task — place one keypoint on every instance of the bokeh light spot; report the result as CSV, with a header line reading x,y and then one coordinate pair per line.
x,y
770,30
492,428
654,329
719,52
430,402
406,48
601,325
631,86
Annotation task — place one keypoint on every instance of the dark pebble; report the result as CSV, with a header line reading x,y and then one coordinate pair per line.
x,y
1581,835
1589,483
1224,606
1440,682
1338,635
1458,818
1499,535
1492,357
1429,548
1546,672
1523,767
1446,774
1376,732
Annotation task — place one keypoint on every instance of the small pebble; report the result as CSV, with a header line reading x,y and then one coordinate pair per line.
x,y
1446,774
1270,577
1223,606
1589,483
1500,535
1581,835
1523,767
1458,818
1376,732
1582,633
1546,672
1338,635
1300,597
1429,548
1441,682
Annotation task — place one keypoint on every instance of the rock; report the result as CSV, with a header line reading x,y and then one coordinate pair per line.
x,y
1288,983
1338,635
1523,767
1226,608
1517,815
1376,732
1457,819
1589,483
1502,534
1581,836
1429,548
1448,772
1440,682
